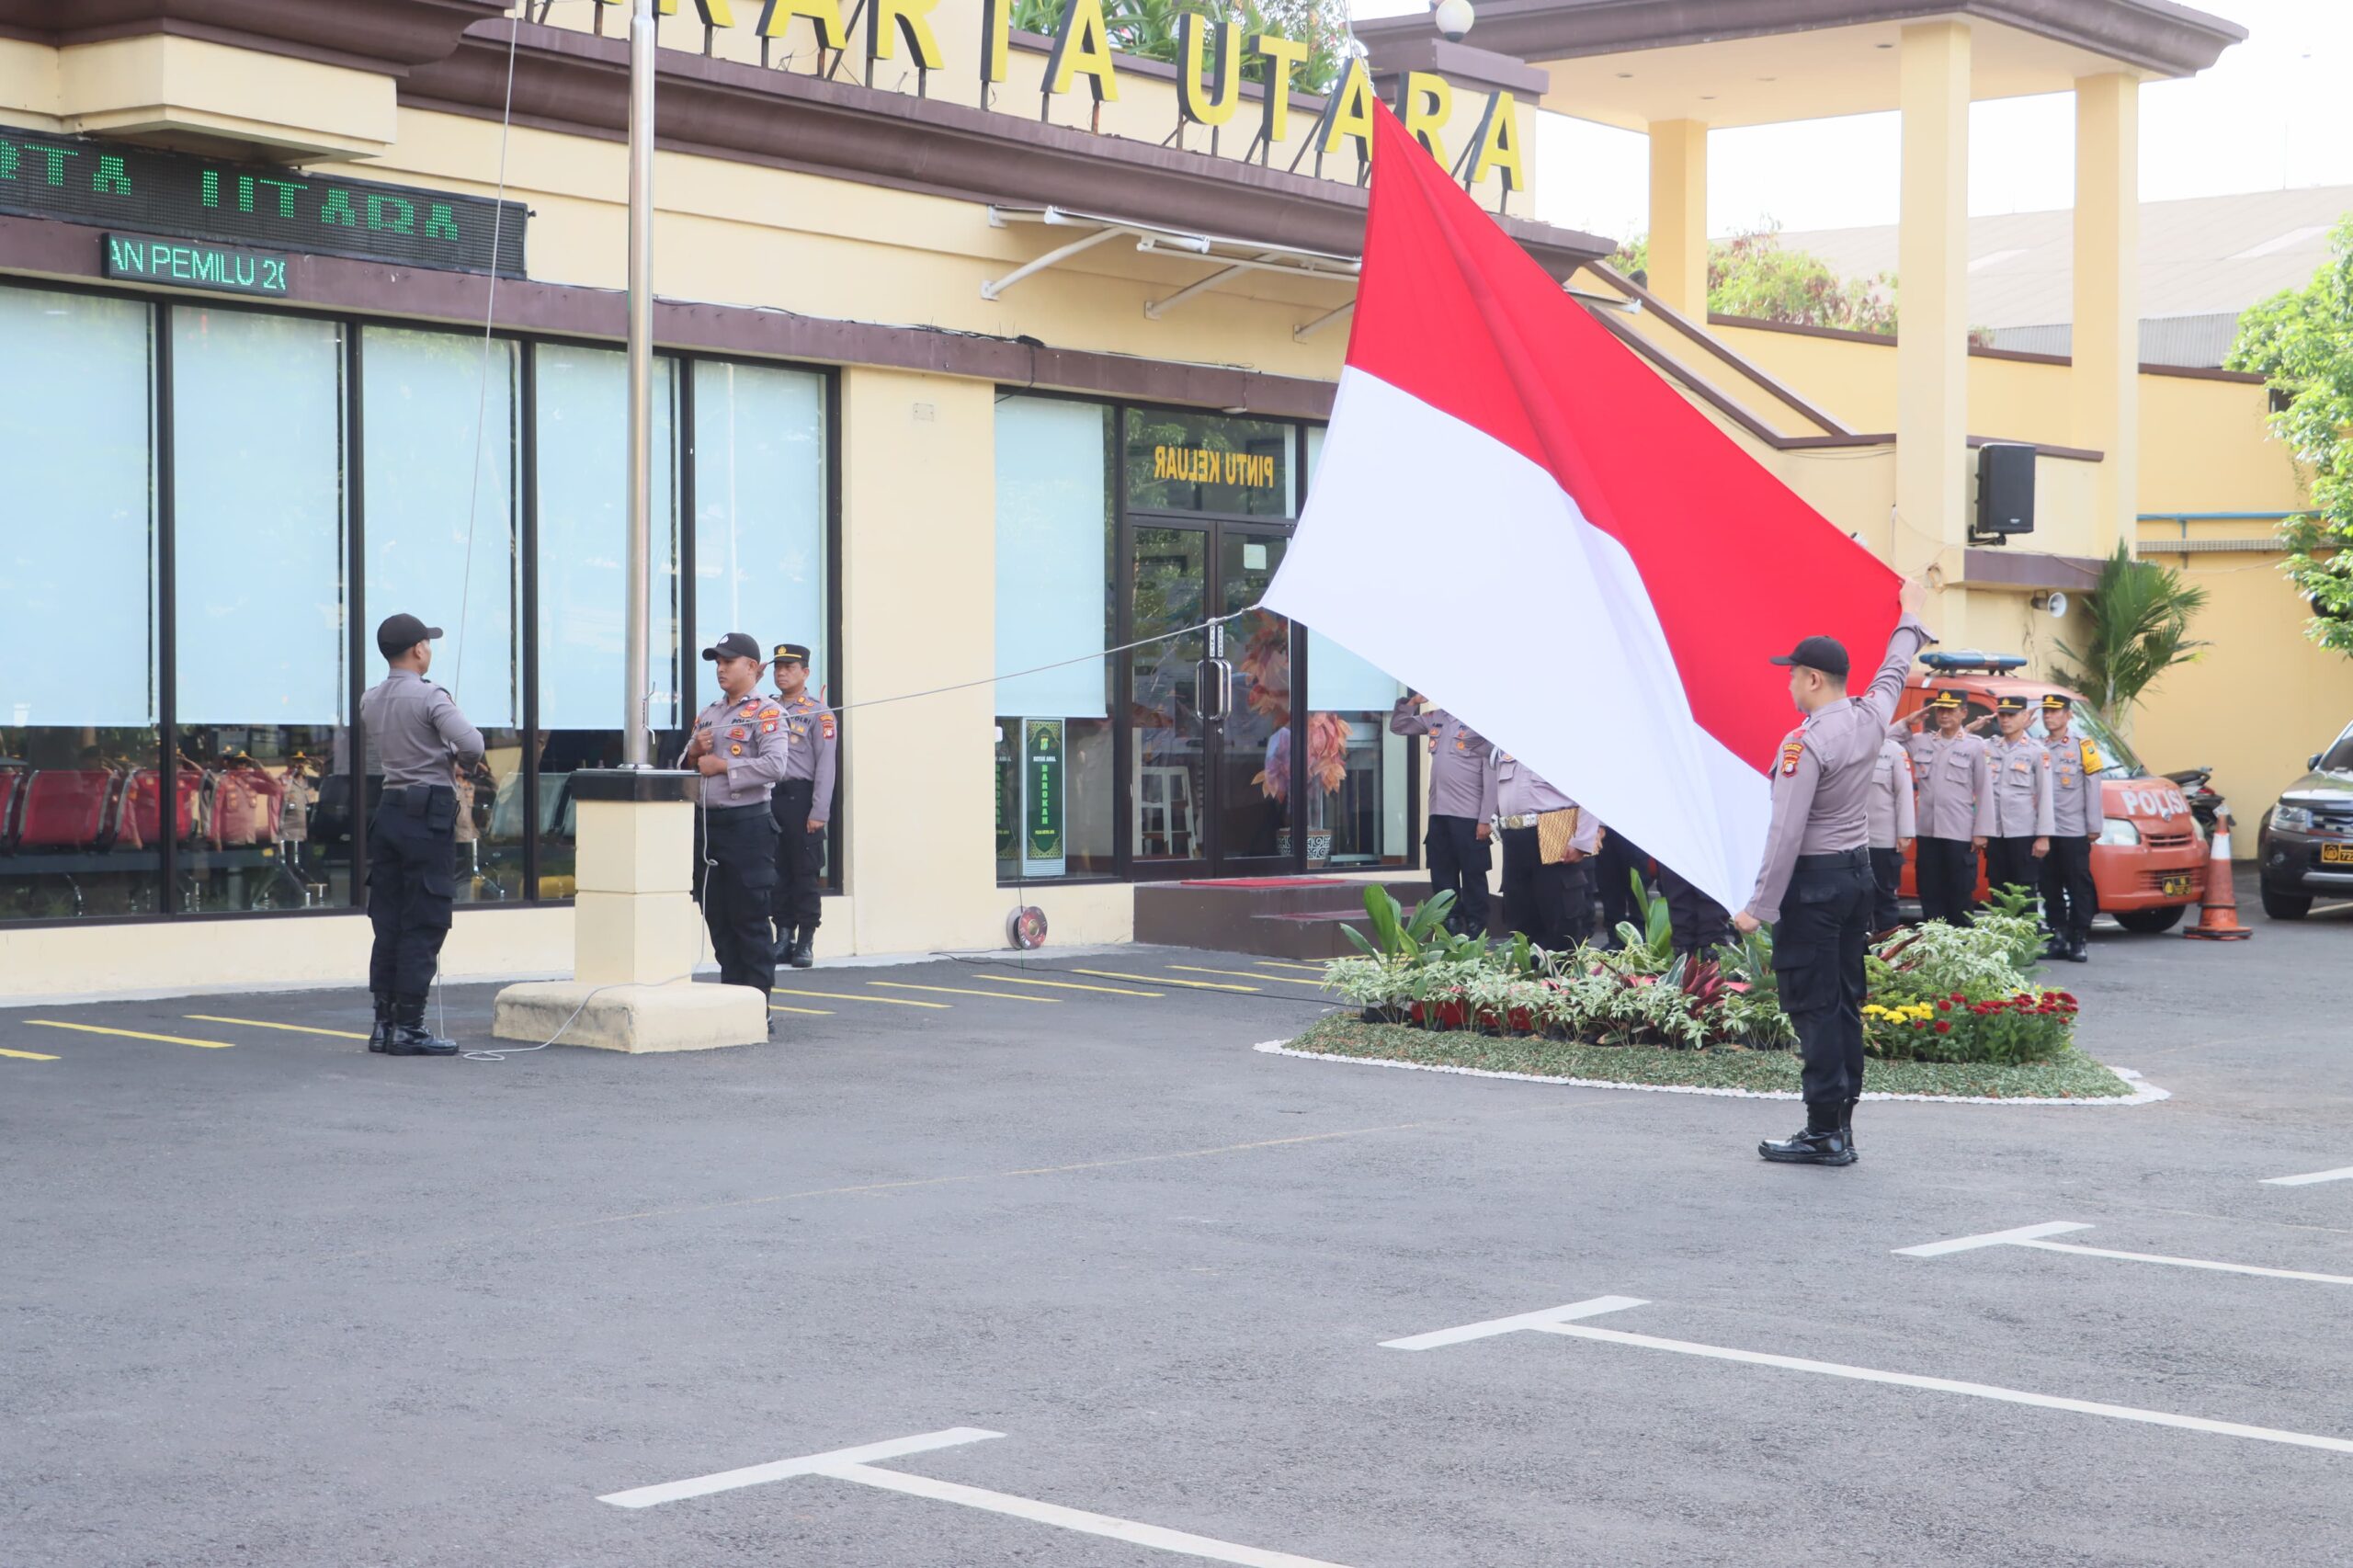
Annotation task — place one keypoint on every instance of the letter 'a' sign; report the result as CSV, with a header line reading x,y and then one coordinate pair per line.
x,y
137,190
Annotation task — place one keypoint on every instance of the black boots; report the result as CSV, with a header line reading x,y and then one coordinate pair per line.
x,y
409,1036
1846,1127
1823,1142
382,1032
803,939
2078,949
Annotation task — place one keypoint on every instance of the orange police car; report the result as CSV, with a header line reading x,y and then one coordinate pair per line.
x,y
2149,863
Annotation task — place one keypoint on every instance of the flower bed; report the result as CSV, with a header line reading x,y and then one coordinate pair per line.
x,y
1937,994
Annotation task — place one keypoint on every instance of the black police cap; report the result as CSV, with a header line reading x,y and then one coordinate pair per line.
x,y
2056,702
734,645
2012,704
1825,654
401,632
790,653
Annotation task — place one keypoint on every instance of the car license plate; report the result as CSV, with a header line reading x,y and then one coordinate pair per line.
x,y
2336,854
2174,887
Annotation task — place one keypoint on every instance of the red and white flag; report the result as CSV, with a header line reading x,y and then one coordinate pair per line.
x,y
1516,516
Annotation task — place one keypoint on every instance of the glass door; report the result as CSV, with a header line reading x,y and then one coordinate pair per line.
x,y
1212,764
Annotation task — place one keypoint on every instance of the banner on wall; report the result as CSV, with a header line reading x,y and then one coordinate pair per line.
x,y
1041,798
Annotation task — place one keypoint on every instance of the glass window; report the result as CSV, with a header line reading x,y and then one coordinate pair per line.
x,y
1206,462
77,608
435,404
1358,808
257,477
581,415
1055,522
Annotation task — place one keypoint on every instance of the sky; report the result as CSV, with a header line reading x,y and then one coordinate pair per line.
x,y
2268,115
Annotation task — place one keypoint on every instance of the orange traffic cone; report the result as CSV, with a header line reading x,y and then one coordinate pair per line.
x,y
2218,916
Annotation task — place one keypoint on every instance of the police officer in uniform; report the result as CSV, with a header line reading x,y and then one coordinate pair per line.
x,y
1955,808
1463,803
1550,904
2019,772
738,746
1620,861
2070,899
1815,888
1893,829
802,804
421,739
1700,924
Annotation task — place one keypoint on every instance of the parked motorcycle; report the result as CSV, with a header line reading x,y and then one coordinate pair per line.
x,y
2204,805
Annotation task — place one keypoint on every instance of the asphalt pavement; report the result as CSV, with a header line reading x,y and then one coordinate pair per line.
x,y
266,1299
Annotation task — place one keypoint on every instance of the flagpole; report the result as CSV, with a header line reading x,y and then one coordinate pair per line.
x,y
638,609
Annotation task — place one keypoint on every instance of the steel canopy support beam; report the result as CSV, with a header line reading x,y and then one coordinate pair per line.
x,y
1302,334
996,287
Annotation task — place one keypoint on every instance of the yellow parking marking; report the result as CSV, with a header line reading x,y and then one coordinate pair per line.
x,y
1067,985
813,1012
1164,979
964,991
134,1034
878,1001
28,1055
1246,975
266,1024
1285,963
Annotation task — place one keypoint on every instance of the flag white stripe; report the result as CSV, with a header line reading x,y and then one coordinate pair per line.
x,y
1449,559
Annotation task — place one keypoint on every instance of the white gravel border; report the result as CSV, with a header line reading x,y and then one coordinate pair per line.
x,y
2144,1092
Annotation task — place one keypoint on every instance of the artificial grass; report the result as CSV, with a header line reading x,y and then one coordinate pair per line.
x,y
2070,1077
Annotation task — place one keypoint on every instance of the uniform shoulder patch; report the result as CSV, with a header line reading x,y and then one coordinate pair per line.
x,y
827,723
767,726
771,712
1790,751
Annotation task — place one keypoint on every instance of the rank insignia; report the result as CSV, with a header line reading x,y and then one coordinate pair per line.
x,y
738,732
734,749
1791,752
771,712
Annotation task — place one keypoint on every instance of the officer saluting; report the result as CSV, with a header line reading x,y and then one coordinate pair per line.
x,y
2069,897
1955,808
2019,771
739,748
1894,827
412,839
1815,888
802,804
1462,800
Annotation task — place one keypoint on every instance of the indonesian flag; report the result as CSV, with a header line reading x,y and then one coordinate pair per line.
x,y
1518,517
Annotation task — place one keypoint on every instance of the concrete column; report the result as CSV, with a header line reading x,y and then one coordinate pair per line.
x,y
2105,380
1680,216
1932,298
918,611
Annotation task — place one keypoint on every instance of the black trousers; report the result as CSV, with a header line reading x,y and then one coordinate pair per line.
x,y
1887,870
1552,905
1947,873
1459,863
1818,959
1614,869
2069,897
735,886
1701,924
799,898
2011,862
412,883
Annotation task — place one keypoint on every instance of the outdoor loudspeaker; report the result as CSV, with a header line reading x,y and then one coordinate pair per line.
x,y
2004,488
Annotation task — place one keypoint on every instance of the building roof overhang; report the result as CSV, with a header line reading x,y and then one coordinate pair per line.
x,y
1634,63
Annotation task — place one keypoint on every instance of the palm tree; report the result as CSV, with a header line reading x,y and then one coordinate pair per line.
x,y
2138,616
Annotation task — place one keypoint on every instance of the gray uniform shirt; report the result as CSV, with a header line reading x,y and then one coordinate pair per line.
x,y
1822,774
418,730
2075,808
2020,773
747,735
811,726
1890,801
1955,786
1521,791
1461,783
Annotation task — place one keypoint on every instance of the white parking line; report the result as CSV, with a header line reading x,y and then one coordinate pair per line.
x,y
1560,1320
853,1465
2343,1173
2033,1237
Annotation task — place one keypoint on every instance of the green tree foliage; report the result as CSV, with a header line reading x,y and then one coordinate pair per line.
x,y
1147,28
1752,275
2301,342
2140,616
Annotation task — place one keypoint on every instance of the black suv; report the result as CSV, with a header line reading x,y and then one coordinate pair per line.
x,y
2306,843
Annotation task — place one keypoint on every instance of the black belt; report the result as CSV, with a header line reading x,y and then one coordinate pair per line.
x,y
401,792
728,813
808,784
1835,860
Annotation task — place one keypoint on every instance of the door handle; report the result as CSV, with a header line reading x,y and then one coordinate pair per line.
x,y
1214,678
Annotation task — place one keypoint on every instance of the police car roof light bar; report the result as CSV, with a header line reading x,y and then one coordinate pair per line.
x,y
1970,659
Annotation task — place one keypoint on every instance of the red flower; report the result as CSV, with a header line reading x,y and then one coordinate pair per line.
x,y
1957,996
1947,1006
1943,1027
